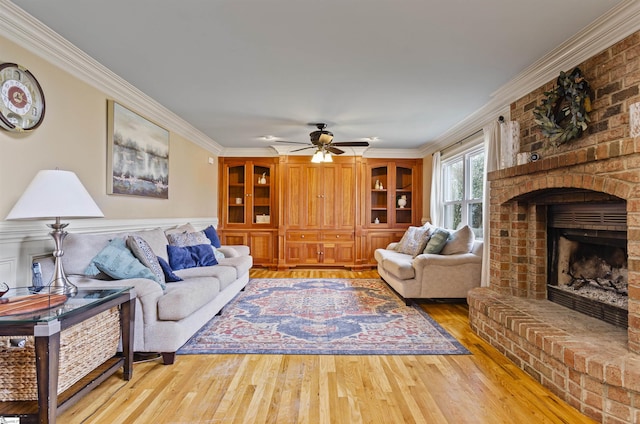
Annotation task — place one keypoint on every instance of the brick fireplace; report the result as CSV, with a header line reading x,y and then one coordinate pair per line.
x,y
591,364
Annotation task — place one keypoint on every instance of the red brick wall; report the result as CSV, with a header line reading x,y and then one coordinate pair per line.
x,y
598,377
605,161
614,76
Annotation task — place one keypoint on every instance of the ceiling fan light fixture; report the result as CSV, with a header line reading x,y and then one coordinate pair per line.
x,y
321,156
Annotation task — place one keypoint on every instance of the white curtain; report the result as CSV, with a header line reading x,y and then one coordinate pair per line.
x,y
492,162
436,191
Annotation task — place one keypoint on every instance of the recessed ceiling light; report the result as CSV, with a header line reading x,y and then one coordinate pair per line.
x,y
374,139
268,137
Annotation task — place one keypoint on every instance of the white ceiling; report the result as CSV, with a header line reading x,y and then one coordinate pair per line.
x,y
405,71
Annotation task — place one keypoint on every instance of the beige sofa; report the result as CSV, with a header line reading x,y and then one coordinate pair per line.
x,y
429,275
164,319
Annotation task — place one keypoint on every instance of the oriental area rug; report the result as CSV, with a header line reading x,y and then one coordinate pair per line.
x,y
322,317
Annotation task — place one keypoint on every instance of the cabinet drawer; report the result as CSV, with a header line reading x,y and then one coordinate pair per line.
x,y
303,236
337,236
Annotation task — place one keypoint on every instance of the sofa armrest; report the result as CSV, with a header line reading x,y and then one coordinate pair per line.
x,y
233,251
392,245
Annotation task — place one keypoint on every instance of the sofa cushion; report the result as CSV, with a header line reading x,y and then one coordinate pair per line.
x,y
185,228
242,264
437,241
414,240
460,241
396,263
80,249
184,298
191,256
224,274
142,251
156,240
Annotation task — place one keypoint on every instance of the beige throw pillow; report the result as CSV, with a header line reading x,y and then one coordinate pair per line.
x,y
414,240
460,241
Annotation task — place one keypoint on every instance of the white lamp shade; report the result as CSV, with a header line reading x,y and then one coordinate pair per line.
x,y
55,194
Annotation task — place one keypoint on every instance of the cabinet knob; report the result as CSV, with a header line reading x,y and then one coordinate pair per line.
x,y
337,236
302,236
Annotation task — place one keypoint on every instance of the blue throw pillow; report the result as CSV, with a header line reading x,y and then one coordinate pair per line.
x,y
212,235
169,276
190,256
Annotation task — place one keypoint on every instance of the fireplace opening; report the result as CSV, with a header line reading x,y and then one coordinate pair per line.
x,y
587,260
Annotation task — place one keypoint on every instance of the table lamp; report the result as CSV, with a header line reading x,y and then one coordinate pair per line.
x,y
55,194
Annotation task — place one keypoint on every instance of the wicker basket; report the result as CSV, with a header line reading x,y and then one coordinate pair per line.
x,y
83,347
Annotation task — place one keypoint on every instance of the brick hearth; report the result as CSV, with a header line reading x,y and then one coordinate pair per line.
x,y
592,365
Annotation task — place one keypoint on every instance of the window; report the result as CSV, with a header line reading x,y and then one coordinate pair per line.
x,y
463,190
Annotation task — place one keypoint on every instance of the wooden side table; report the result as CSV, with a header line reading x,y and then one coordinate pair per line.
x,y
46,327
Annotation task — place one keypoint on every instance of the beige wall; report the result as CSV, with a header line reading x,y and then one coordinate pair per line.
x,y
73,137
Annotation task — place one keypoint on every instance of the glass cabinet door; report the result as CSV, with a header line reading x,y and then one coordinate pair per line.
x,y
403,195
379,195
261,195
236,201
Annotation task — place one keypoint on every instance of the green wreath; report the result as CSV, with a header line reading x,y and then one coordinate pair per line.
x,y
571,98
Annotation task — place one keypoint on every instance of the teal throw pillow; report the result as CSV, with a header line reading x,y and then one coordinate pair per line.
x,y
437,241
117,261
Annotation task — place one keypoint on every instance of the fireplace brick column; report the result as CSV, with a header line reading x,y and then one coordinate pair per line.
x,y
594,367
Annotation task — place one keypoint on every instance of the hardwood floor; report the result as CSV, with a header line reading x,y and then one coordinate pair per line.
x,y
480,388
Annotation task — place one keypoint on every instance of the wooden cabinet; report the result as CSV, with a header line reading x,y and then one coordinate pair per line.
x,y
292,212
319,204
392,199
248,206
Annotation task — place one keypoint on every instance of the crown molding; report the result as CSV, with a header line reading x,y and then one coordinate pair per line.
x,y
256,152
374,153
610,28
32,35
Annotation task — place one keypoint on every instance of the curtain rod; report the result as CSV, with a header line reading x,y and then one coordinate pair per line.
x,y
500,120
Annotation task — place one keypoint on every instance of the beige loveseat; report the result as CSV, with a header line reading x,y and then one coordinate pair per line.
x,y
166,318
431,275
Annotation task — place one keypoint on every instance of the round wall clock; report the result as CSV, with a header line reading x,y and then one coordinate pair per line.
x,y
21,99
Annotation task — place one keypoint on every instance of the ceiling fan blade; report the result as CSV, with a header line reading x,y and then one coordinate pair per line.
x,y
351,143
334,150
289,142
304,148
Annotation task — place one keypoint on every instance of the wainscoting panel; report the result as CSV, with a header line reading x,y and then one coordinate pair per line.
x,y
22,241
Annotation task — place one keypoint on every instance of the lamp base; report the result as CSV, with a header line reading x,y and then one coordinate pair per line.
x,y
59,283
63,287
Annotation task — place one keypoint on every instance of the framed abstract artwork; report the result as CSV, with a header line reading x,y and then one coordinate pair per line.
x,y
137,154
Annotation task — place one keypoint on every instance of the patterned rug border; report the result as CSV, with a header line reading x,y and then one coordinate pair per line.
x,y
456,347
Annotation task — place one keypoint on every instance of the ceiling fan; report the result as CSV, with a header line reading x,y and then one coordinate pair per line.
x,y
322,140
